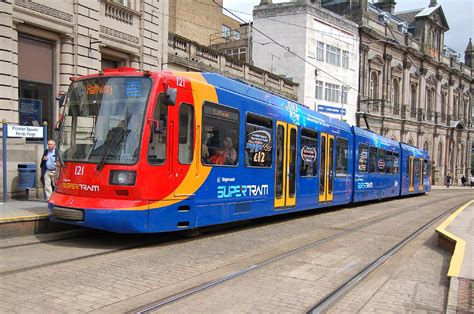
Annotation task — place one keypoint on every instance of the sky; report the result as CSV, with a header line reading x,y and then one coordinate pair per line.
x,y
459,14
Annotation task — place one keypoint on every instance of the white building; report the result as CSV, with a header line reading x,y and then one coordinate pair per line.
x,y
315,48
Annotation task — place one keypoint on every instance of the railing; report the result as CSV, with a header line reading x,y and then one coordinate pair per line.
x,y
119,12
191,55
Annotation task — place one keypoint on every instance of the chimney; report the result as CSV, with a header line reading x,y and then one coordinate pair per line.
x,y
386,5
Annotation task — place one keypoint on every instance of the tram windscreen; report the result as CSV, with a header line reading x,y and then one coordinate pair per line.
x,y
103,120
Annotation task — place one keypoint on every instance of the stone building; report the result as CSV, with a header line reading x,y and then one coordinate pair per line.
x,y
413,88
44,43
200,20
314,47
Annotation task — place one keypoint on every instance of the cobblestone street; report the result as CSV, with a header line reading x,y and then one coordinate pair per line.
x,y
413,280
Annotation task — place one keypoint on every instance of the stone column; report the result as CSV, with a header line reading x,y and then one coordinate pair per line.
x,y
422,90
8,61
438,103
406,88
66,61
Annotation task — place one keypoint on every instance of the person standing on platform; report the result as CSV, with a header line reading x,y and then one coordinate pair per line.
x,y
448,180
48,168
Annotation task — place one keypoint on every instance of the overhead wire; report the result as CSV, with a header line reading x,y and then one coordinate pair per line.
x,y
289,50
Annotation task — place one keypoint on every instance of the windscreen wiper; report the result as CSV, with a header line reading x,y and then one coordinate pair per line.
x,y
117,135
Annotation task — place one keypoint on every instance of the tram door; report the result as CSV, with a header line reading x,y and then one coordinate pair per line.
x,y
420,184
326,168
411,188
285,170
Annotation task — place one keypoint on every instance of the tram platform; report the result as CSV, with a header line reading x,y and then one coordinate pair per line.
x,y
456,234
26,217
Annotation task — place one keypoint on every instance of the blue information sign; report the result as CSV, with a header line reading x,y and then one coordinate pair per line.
x,y
30,112
333,110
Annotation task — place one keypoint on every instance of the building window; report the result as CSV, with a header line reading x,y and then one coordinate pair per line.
x,y
236,35
238,53
373,85
320,51
344,92
413,99
395,93
333,55
319,90
225,31
35,82
345,59
332,92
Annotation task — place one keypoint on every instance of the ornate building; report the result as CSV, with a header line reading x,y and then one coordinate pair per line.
x,y
43,45
412,87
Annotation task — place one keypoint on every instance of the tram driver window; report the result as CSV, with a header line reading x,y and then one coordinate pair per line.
x,y
157,146
309,153
363,157
220,135
259,138
341,157
372,160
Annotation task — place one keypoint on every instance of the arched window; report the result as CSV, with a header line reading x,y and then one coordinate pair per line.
x,y
429,102
440,154
395,94
443,106
413,99
426,146
373,85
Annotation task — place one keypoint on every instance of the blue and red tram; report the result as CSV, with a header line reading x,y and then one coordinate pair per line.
x,y
167,151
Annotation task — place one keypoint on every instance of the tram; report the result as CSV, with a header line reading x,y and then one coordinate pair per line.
x,y
148,152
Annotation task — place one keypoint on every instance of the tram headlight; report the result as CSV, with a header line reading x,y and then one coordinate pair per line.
x,y
122,177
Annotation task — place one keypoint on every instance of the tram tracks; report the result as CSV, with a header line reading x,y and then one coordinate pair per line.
x,y
180,296
106,241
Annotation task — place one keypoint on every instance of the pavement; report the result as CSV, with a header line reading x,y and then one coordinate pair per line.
x,y
458,230
30,217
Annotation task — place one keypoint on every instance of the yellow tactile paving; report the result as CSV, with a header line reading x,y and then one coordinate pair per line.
x,y
460,246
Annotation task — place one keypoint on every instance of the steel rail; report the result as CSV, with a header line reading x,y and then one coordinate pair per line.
x,y
212,283
343,289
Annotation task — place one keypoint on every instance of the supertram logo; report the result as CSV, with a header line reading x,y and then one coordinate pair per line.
x,y
81,187
241,190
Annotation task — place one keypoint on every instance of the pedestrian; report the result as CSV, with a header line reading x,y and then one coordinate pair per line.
x,y
48,168
448,180
472,181
463,180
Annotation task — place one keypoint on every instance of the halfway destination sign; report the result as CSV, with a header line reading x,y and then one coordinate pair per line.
x,y
24,131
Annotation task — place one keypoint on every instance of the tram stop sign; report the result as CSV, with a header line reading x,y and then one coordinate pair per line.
x,y
25,131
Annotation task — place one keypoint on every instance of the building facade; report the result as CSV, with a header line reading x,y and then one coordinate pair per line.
x,y
413,88
44,43
314,47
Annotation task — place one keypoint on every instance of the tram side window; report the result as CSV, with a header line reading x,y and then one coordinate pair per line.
x,y
363,157
426,168
308,153
220,135
381,161
157,146
186,134
341,157
372,159
259,138
389,162
395,163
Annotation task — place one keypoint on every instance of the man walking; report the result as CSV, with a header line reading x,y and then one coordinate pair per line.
x,y
48,168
